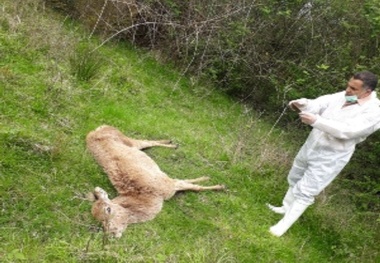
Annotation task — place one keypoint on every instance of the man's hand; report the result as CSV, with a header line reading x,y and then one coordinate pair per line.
x,y
297,104
308,118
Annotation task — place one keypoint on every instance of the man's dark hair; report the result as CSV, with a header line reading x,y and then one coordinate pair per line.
x,y
369,79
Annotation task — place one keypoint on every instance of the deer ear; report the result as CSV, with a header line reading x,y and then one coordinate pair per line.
x,y
91,197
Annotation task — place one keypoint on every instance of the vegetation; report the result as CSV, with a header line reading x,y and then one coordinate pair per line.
x,y
261,52
56,85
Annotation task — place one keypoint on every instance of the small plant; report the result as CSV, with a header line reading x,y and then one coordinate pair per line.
x,y
85,63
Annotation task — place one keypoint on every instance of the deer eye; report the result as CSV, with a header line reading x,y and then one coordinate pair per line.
x,y
108,210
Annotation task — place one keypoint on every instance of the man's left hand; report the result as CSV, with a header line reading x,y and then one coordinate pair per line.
x,y
308,118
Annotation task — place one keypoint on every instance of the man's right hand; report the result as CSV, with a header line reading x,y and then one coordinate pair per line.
x,y
296,105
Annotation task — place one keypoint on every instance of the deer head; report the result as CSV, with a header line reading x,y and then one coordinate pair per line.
x,y
113,217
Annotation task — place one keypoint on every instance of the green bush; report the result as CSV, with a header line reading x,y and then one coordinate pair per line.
x,y
362,175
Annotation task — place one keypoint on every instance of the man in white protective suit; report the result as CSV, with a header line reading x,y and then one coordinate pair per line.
x,y
339,121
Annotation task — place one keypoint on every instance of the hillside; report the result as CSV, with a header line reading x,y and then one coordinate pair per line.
x,y
56,85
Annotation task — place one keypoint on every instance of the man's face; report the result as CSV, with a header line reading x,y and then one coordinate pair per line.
x,y
355,87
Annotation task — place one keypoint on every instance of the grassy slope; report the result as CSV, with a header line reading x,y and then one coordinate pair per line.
x,y
45,171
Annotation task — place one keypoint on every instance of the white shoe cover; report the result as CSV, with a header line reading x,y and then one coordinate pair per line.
x,y
286,203
291,216
277,209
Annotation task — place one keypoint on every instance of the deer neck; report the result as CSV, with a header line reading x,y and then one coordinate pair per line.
x,y
140,209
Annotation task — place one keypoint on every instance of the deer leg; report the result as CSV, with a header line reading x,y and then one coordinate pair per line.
x,y
143,144
184,185
162,143
196,180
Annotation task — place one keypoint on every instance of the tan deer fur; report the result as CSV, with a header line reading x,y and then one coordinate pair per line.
x,y
140,183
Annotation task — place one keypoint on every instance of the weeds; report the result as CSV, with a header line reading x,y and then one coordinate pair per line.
x,y
85,64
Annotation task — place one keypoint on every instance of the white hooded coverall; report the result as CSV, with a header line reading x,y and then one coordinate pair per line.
x,y
332,141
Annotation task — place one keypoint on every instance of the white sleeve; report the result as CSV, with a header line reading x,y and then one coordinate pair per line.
x,y
320,104
361,126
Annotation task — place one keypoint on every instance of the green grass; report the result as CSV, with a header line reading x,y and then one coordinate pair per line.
x,y
45,172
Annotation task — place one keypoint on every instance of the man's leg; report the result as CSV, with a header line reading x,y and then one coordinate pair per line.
x,y
286,203
292,214
295,174
318,175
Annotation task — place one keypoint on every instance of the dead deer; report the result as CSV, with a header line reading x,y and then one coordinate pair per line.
x,y
141,185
